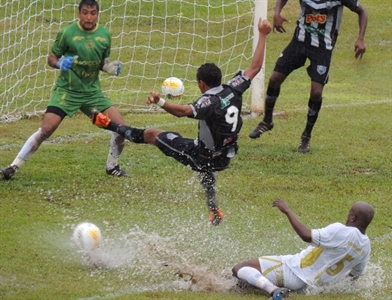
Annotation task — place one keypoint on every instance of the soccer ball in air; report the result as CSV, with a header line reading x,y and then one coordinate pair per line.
x,y
172,87
87,236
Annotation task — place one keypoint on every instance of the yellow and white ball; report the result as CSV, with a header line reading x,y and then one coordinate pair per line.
x,y
87,236
172,87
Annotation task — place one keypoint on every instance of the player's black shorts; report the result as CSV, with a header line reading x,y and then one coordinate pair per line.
x,y
187,152
295,54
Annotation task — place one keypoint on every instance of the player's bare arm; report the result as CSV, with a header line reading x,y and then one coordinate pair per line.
x,y
360,47
177,110
300,228
278,19
52,60
258,56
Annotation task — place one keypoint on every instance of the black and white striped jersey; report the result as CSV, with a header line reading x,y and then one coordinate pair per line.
x,y
319,22
219,113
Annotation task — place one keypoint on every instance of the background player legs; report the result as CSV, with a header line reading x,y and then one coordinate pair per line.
x,y
314,106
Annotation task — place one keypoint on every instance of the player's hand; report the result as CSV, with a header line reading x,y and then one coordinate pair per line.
x,y
359,49
112,67
278,23
65,63
264,26
282,205
154,98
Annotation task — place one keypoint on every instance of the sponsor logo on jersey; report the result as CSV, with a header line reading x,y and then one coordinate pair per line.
x,y
78,38
89,45
226,101
236,81
204,102
315,31
357,248
319,18
100,39
89,63
88,74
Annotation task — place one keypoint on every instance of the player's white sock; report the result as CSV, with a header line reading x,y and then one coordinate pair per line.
x,y
17,163
117,143
255,278
29,147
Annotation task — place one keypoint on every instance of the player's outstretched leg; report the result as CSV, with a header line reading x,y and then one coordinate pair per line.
x,y
216,216
207,179
132,134
100,120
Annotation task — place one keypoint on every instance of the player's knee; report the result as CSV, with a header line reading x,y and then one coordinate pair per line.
x,y
150,135
316,92
118,139
234,270
43,134
276,80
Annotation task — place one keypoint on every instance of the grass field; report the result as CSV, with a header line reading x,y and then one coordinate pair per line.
x,y
155,223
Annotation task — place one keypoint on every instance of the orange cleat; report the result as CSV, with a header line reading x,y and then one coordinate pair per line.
x,y
216,216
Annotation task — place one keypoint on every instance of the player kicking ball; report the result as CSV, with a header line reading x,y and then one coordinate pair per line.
x,y
219,113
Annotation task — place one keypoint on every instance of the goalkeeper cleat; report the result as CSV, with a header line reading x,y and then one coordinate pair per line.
x,y
116,171
8,172
99,119
280,293
216,216
304,147
260,129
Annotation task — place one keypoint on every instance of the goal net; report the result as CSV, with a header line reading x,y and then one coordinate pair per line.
x,y
153,40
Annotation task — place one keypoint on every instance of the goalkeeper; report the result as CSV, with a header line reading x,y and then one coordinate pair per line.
x,y
80,52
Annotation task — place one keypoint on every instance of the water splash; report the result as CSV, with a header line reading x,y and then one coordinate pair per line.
x,y
169,261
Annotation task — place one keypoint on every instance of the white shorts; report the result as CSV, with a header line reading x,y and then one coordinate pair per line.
x,y
276,271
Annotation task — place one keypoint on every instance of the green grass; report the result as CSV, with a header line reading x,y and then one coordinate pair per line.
x,y
158,216
155,222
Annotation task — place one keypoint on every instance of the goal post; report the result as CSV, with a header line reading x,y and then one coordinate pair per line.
x,y
152,39
257,99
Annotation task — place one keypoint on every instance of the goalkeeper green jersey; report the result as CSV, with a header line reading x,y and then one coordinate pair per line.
x,y
91,47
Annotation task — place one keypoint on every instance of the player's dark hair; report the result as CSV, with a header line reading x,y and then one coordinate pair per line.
x,y
210,74
91,3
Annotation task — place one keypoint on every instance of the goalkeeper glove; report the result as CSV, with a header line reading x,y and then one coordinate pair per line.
x,y
65,63
112,67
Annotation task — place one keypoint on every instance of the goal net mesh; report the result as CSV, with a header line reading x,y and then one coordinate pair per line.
x,y
153,40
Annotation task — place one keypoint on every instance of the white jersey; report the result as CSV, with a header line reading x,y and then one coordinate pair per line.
x,y
335,250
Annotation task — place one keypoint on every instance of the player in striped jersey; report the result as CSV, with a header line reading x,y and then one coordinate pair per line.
x,y
335,251
218,111
314,39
